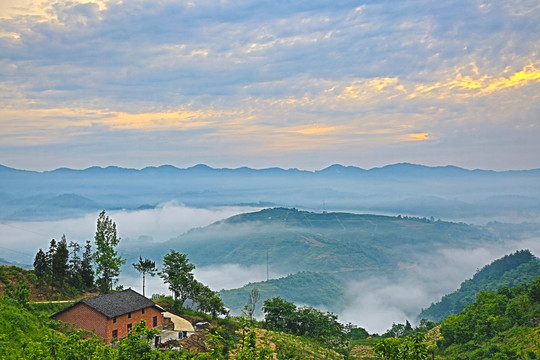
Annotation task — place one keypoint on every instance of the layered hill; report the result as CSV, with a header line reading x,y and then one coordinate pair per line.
x,y
446,192
294,241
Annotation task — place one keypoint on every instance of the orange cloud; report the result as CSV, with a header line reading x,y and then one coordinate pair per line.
x,y
521,78
485,85
316,130
419,136
148,121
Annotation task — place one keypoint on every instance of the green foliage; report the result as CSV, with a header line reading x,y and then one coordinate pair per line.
x,y
19,292
249,350
305,241
300,348
500,325
145,266
106,258
306,321
177,273
511,270
411,348
41,266
137,346
87,271
27,333
315,289
60,270
59,262
207,300
24,335
356,333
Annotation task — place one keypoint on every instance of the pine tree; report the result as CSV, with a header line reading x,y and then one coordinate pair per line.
x,y
145,266
106,258
87,271
75,277
49,278
41,267
60,264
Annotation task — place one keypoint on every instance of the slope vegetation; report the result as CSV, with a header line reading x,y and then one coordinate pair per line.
x,y
313,289
511,270
295,241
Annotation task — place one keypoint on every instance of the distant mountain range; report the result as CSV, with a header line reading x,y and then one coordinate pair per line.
x,y
447,192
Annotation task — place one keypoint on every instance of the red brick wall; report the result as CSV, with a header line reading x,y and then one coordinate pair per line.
x,y
136,316
84,317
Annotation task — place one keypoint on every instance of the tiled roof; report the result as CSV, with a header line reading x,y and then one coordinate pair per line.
x,y
116,303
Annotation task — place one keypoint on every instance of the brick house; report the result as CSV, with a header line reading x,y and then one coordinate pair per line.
x,y
112,315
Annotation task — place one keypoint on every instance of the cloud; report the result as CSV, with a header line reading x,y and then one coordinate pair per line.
x,y
248,77
22,239
378,302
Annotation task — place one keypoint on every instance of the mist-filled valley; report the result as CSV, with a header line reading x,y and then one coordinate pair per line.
x,y
391,240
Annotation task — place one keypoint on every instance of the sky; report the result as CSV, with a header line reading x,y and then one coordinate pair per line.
x,y
301,84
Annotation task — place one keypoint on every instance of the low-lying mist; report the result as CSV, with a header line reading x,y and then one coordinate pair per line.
x,y
377,302
217,277
21,240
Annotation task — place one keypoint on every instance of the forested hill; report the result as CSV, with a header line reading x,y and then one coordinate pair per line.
x,y
511,270
294,241
320,290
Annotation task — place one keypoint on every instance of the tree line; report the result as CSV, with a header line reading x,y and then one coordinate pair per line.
x,y
63,268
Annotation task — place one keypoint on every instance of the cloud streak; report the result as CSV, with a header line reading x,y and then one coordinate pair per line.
x,y
300,79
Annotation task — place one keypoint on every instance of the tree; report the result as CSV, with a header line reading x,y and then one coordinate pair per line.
x,y
75,267
41,267
177,272
59,263
145,266
107,260
49,258
207,300
282,315
253,298
87,272
279,314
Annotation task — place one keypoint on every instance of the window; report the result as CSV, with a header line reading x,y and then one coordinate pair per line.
x,y
129,315
142,311
129,326
115,334
114,320
154,321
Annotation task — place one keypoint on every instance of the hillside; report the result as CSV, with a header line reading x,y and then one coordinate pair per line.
x,y
497,325
306,288
518,268
347,243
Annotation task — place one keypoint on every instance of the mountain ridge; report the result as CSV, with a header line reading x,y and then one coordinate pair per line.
x,y
203,167
418,190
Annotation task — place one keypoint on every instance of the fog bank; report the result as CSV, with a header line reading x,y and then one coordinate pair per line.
x,y
377,302
19,241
